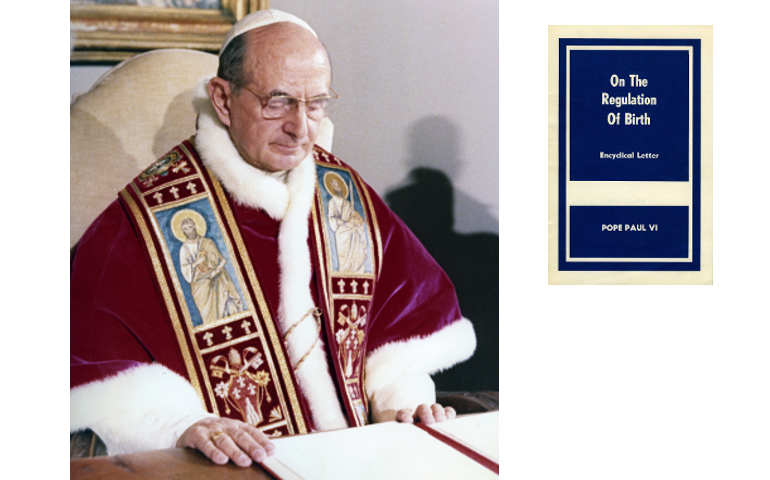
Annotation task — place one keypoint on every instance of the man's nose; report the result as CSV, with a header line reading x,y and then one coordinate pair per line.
x,y
295,122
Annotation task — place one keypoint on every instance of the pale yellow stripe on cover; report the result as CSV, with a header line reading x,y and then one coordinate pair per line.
x,y
629,193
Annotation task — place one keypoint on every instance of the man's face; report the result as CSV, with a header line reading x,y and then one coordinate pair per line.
x,y
336,187
188,228
288,65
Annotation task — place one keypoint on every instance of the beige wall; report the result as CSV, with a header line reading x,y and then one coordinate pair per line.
x,y
83,76
418,83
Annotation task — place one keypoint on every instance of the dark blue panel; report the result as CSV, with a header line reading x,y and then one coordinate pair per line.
x,y
628,231
641,264
666,135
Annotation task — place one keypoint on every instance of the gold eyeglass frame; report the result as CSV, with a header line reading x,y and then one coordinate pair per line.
x,y
265,99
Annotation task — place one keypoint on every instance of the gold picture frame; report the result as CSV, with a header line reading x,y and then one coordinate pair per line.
x,y
112,33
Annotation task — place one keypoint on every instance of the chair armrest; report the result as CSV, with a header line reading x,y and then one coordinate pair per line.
x,y
85,444
470,402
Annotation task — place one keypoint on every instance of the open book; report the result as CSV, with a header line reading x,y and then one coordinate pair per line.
x,y
463,448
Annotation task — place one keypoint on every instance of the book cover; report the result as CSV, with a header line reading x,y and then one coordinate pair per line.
x,y
630,172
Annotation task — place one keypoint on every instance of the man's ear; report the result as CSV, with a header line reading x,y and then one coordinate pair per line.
x,y
219,93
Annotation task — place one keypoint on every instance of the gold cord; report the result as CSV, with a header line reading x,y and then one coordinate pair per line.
x,y
317,315
294,325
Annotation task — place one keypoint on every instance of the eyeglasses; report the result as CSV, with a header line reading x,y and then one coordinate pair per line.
x,y
279,105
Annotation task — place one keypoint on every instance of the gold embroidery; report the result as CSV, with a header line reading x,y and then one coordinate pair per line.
x,y
176,203
193,216
219,323
348,296
183,304
226,331
348,226
272,334
375,223
246,327
160,168
319,251
203,267
369,276
232,342
171,183
166,294
350,339
242,386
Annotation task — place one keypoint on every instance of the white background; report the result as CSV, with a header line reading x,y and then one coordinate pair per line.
x,y
616,382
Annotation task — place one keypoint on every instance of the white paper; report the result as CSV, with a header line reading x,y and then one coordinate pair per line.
x,y
385,451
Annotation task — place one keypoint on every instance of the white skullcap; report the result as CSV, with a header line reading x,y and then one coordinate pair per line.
x,y
261,18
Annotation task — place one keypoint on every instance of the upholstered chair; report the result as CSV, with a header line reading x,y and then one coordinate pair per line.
x,y
134,113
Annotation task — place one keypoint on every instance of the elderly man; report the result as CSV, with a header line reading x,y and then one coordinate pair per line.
x,y
314,343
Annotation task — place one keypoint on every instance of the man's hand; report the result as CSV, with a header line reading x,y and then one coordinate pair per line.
x,y
426,414
224,439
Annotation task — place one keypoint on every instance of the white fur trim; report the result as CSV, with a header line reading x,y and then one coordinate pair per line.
x,y
395,372
408,392
142,408
248,185
294,259
290,203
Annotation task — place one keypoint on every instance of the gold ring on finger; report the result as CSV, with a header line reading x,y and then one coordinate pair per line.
x,y
216,435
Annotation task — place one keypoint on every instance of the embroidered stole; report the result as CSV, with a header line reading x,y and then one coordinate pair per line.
x,y
347,255
233,352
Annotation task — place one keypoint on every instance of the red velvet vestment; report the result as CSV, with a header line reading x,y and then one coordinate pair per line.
x,y
119,321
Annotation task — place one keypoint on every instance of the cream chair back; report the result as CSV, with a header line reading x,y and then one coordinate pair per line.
x,y
132,115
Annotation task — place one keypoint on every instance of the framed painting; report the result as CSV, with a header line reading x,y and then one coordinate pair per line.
x,y
113,30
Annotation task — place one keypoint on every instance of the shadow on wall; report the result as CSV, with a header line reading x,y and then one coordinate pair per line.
x,y
426,203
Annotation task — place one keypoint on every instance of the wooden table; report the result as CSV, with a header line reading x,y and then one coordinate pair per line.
x,y
173,463
465,447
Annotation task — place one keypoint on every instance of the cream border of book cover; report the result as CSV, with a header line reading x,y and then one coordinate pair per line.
x,y
705,275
